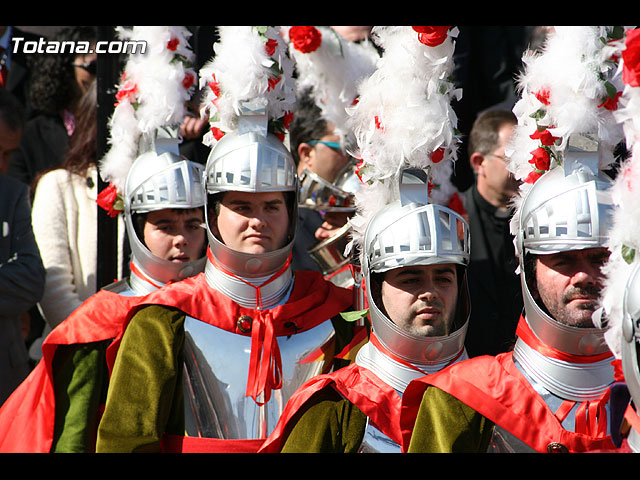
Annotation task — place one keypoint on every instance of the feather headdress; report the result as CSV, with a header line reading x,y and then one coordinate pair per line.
x,y
153,92
332,69
570,87
404,119
251,64
624,238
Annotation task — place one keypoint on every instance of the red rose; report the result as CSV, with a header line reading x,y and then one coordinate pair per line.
x,y
107,200
270,46
432,36
288,118
455,204
540,158
305,39
173,44
187,81
631,59
533,176
611,103
127,90
544,136
543,96
217,133
437,156
273,81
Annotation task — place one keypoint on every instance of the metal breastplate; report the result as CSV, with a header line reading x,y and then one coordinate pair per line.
x,y
555,381
397,376
216,367
374,441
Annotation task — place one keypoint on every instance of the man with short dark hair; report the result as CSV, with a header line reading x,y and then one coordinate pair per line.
x,y
494,286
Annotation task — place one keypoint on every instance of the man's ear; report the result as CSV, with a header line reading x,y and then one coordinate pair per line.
x,y
476,160
306,159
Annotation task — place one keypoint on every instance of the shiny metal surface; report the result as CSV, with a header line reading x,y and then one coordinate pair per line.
x,y
631,335
216,369
319,194
563,212
329,253
374,441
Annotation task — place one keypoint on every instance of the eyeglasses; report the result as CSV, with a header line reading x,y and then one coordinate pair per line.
x,y
334,145
90,67
501,157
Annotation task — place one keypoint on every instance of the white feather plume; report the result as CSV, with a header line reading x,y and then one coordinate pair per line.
x,y
624,237
243,69
159,89
564,89
334,72
402,117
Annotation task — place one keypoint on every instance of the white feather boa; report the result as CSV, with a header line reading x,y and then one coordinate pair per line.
x,y
402,117
152,93
247,64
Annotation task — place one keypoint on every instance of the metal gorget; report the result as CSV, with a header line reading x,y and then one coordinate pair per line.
x,y
216,369
398,376
244,292
570,381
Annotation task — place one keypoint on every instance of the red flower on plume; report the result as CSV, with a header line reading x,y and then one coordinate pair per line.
x,y
187,81
270,46
456,204
305,39
437,156
543,95
544,136
611,103
378,123
217,133
126,91
432,36
173,44
631,59
540,159
273,81
288,118
533,176
107,199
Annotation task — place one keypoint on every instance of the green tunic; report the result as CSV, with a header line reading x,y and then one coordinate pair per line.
x,y
326,424
146,398
446,425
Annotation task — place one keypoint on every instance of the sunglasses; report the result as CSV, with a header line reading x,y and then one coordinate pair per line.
x,y
334,145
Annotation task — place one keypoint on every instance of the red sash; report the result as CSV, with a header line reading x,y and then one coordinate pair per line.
x,y
377,400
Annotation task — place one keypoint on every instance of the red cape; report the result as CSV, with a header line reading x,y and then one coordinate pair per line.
x,y
377,400
27,417
495,388
313,301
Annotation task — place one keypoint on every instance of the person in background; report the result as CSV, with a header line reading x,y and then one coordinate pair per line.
x,y
22,274
58,82
494,286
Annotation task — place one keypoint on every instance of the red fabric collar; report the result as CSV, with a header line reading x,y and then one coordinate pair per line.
x,y
495,388
312,302
377,400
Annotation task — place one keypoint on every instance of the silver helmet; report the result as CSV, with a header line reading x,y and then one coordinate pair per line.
x,y
406,233
631,334
250,161
159,180
568,208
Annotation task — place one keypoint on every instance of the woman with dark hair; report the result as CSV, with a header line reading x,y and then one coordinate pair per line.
x,y
64,219
58,81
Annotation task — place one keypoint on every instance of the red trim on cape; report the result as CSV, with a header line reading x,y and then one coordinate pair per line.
x,y
179,444
377,400
495,388
27,417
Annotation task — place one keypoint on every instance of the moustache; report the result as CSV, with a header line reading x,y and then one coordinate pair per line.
x,y
589,292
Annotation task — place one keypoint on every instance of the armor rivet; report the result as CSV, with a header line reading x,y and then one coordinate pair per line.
x,y
244,323
555,447
433,351
589,344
